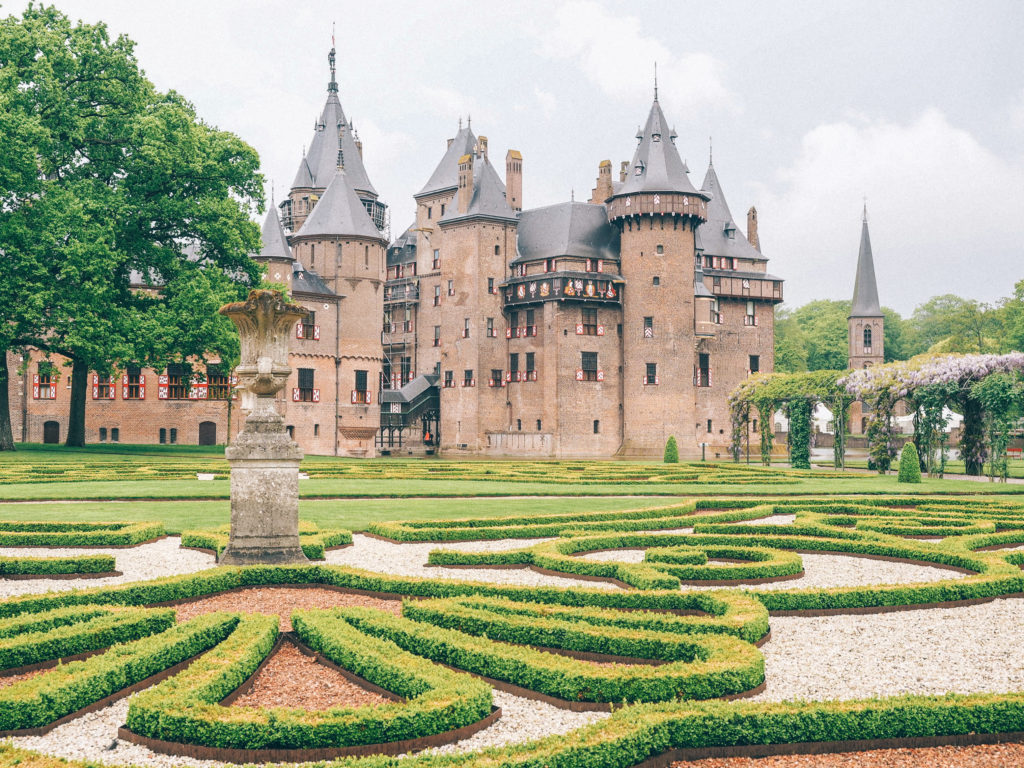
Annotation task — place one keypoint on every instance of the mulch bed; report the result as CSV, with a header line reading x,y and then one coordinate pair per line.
x,y
282,601
7,680
979,756
293,679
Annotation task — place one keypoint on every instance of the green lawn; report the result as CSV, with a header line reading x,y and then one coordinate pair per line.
x,y
1016,467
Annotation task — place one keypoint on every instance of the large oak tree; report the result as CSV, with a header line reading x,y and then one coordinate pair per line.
x,y
108,184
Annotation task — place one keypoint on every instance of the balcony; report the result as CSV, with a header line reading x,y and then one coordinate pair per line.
x,y
585,287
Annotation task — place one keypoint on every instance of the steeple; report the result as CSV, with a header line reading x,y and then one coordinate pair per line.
x,y
719,231
275,243
865,290
656,165
332,86
339,212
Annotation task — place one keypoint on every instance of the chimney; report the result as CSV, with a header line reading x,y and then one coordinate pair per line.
x,y
465,182
513,179
622,170
482,147
603,189
752,228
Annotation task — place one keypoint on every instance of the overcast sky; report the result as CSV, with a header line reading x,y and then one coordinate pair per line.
x,y
919,106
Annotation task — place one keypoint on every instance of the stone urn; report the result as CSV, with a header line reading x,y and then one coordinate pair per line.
x,y
264,459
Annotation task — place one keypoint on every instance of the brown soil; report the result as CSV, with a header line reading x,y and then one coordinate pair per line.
x,y
292,679
282,601
980,756
12,679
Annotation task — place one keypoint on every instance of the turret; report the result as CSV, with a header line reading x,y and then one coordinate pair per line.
x,y
752,228
514,179
603,187
866,322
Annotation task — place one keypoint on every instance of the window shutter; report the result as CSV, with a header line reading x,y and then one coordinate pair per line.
x,y
95,386
161,391
579,329
600,265
600,330
579,374
316,395
298,330
600,375
295,394
316,333
142,386
124,386
35,386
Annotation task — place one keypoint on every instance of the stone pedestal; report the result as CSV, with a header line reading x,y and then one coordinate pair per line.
x,y
264,498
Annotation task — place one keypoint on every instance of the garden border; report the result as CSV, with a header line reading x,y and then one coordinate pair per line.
x,y
40,576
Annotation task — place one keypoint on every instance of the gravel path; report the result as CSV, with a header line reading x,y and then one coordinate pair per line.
x,y
981,756
410,560
969,649
144,562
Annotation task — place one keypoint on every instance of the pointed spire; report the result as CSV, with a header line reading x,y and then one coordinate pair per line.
x,y
657,166
711,153
865,289
655,81
469,122
339,212
332,86
275,244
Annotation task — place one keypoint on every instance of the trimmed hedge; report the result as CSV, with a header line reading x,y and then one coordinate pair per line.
x,y
41,699
312,539
185,708
61,633
718,665
30,566
18,533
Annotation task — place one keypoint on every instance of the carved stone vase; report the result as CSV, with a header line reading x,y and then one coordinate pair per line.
x,y
264,459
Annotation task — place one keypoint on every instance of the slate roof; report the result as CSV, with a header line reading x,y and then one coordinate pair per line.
x,y
719,234
488,195
275,243
339,212
403,250
446,174
333,133
865,290
410,391
567,229
306,281
656,165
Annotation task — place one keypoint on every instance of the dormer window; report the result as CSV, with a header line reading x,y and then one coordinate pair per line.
x,y
639,170
656,137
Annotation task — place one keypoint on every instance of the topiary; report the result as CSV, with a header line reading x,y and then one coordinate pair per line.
x,y
910,465
671,451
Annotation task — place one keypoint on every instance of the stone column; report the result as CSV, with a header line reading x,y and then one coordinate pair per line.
x,y
264,460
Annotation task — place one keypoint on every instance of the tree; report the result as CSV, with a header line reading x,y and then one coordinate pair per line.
x,y
825,326
790,344
107,180
951,324
671,451
910,465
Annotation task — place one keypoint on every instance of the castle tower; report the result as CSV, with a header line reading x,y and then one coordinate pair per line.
x,y
866,322
657,211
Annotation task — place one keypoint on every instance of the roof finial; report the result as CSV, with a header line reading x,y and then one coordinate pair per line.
x,y
460,122
711,152
655,81
572,195
332,87
865,219
272,202
469,122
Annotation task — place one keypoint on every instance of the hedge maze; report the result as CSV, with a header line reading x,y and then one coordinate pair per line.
x,y
671,666
313,540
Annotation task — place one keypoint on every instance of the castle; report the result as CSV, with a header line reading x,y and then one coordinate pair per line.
x,y
589,329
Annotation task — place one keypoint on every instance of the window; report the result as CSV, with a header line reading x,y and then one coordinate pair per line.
x,y
316,430
290,429
656,280
867,340
361,394
163,436
406,368
709,426
597,426
531,327
451,287
437,335
103,434
465,328
513,366
490,285
115,435
754,366
338,251
496,377
312,255
549,265
449,379
430,212
716,315
513,324
310,330
660,249
531,358
366,255
437,369
491,333
588,366
589,323
754,425
177,388
442,209
538,425
648,327
519,424
174,436
651,376
437,295
468,379
134,384
102,387
305,388
702,376
411,266
219,383
497,250
437,259
750,318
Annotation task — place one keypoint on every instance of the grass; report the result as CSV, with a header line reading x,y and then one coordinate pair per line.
x,y
1015,467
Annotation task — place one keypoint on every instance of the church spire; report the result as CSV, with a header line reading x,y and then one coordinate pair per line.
x,y
865,289
332,87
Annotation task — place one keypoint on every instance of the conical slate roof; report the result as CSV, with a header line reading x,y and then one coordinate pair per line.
x,y
567,229
275,244
488,195
719,233
333,145
865,290
339,212
656,165
446,174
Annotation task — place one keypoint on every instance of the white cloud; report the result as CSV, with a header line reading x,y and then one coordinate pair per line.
x,y
546,101
615,53
1017,113
944,212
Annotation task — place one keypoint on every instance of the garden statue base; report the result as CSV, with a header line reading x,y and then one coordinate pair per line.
x,y
264,498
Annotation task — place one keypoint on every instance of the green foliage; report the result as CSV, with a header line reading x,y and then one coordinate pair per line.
x,y
312,539
1001,396
910,465
671,451
19,533
800,433
39,566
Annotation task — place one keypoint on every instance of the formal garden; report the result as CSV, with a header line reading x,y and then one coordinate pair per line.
x,y
503,614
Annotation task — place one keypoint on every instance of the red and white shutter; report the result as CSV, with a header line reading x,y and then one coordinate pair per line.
x,y
162,384
600,375
142,386
600,330
508,333
298,330
35,386
579,329
124,386
295,394
316,395
600,265
579,374
95,386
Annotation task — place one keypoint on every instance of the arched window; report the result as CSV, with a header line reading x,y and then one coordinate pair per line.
x,y
867,337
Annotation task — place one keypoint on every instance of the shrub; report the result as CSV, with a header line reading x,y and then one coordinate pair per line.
x,y
910,465
671,451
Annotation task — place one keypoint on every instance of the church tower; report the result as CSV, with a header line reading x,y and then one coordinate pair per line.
x,y
657,211
866,322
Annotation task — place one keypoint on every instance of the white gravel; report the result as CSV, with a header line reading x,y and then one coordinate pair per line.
x,y
141,563
969,649
770,520
410,560
669,532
